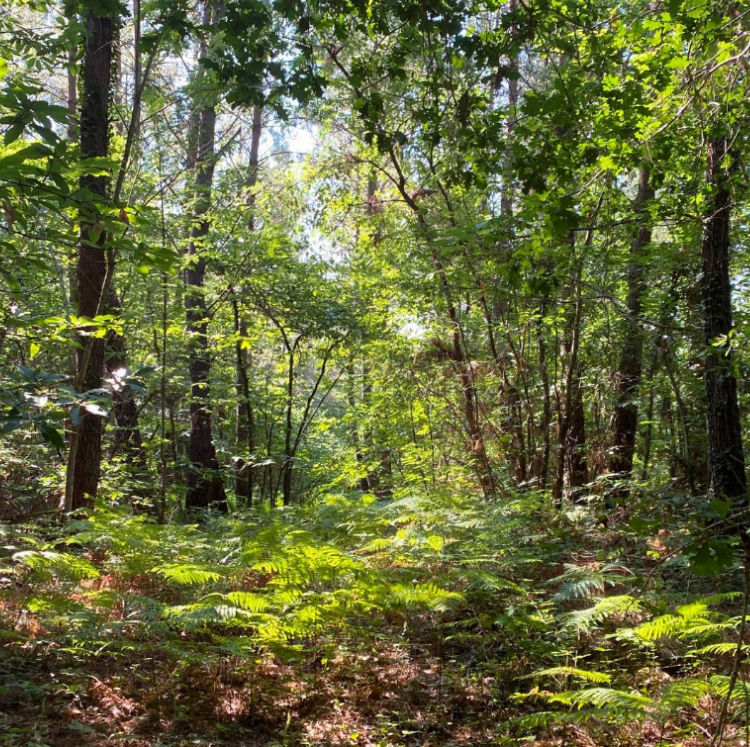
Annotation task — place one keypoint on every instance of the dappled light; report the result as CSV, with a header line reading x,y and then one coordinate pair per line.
x,y
374,373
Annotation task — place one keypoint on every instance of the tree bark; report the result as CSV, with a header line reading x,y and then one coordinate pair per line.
x,y
631,356
204,484
244,477
127,437
726,459
84,459
288,454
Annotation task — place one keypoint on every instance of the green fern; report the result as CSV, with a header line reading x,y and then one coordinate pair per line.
x,y
584,582
585,674
691,620
684,693
201,615
47,564
721,683
186,573
719,649
617,703
247,601
428,595
589,618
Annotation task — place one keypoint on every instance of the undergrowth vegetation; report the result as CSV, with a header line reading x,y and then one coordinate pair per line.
x,y
352,620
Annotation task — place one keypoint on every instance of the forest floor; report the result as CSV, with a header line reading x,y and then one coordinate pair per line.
x,y
361,622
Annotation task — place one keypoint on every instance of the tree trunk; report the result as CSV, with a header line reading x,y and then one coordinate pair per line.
x,y
245,429
475,439
684,453
72,95
369,481
244,477
466,375
506,193
286,489
725,454
84,459
543,469
576,464
127,437
648,436
288,455
572,471
204,485
363,483
267,488
631,356
516,426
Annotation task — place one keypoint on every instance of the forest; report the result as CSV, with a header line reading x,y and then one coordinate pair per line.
x,y
374,372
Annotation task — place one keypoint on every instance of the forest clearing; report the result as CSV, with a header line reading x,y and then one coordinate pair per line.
x,y
374,372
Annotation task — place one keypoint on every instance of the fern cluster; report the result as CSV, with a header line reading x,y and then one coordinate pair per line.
x,y
496,589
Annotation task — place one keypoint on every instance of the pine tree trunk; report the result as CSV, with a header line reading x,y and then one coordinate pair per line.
x,y
631,356
726,458
204,485
84,459
244,477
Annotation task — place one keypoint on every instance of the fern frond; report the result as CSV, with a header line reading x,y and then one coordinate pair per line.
x,y
718,649
248,601
104,598
201,615
693,610
428,594
585,674
582,588
680,694
665,626
632,705
47,563
186,573
584,581
539,720
376,545
708,629
715,599
719,684
287,596
590,617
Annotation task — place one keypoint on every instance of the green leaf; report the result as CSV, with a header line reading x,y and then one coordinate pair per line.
x,y
51,435
711,557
